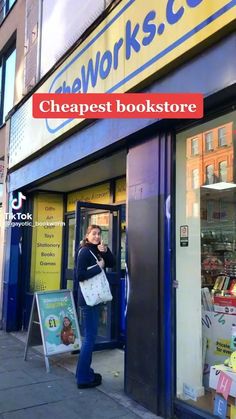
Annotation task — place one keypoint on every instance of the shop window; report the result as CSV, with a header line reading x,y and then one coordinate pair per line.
x,y
7,77
206,264
195,179
195,147
222,138
209,141
223,171
209,174
5,6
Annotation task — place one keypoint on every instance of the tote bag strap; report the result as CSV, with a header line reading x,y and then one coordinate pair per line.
x,y
94,255
90,252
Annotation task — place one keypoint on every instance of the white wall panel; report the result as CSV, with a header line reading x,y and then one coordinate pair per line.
x,y
64,21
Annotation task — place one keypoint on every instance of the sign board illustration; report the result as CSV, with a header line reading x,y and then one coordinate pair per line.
x,y
53,323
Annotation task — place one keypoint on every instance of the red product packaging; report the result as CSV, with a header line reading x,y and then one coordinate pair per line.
x,y
224,304
232,288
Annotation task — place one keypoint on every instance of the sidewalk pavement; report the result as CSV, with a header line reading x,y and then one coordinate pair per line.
x,y
27,391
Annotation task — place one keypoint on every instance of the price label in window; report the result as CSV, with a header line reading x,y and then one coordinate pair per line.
x,y
184,235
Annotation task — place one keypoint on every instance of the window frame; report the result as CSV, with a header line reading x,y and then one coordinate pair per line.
x,y
222,164
207,174
206,135
224,137
195,140
4,55
5,9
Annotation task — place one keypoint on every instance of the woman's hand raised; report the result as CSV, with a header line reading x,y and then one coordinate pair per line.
x,y
102,247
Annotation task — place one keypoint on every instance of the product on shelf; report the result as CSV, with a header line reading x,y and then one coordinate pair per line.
x,y
232,288
225,304
219,282
212,263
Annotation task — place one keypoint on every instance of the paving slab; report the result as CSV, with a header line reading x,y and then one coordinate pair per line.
x,y
63,410
27,391
34,394
14,379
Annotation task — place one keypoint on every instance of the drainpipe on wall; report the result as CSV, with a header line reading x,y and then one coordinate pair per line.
x,y
5,209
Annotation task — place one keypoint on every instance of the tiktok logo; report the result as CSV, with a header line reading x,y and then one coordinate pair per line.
x,y
18,202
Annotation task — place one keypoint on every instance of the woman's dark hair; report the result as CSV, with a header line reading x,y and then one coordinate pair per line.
x,y
67,319
89,229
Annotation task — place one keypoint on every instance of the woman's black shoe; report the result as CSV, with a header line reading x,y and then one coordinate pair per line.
x,y
97,377
96,382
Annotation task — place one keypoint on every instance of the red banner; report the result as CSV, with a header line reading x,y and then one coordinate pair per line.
x,y
118,105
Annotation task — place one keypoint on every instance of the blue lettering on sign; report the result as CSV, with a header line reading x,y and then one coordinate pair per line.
x,y
105,65
149,28
117,47
90,74
76,86
220,318
137,37
171,15
131,41
194,3
206,321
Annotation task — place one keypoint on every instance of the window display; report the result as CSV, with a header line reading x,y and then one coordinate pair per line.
x,y
206,268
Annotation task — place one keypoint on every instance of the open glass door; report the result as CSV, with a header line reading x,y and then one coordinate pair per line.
x,y
108,218
69,252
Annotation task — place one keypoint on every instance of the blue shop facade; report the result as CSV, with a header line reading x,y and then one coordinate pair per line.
x,y
163,192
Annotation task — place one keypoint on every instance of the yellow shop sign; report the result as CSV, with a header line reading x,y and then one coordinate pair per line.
x,y
46,251
135,41
120,190
99,194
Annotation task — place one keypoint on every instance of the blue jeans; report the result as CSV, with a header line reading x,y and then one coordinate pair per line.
x,y
84,372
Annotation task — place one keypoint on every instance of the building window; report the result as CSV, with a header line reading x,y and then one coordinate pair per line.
x,y
209,141
7,77
195,179
209,174
195,147
222,140
5,6
223,171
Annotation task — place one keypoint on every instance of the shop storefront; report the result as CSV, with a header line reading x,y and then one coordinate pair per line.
x,y
163,194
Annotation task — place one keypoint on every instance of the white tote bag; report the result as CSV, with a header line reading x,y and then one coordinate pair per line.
x,y
96,290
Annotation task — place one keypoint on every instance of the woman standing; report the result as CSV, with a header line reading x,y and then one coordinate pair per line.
x,y
87,267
